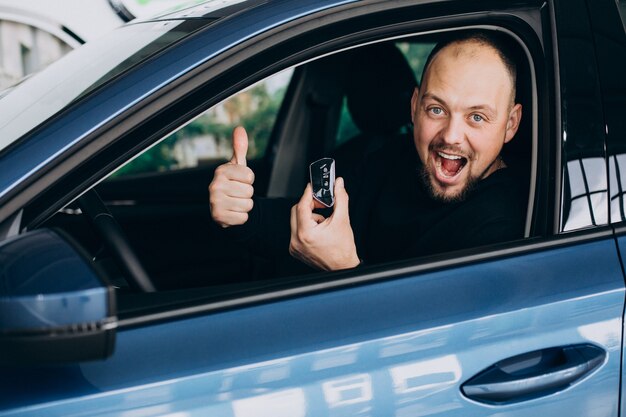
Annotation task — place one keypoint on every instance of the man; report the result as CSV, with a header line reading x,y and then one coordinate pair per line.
x,y
449,189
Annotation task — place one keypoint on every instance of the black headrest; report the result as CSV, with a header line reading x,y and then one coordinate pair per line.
x,y
379,88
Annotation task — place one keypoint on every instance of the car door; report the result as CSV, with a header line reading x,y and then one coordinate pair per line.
x,y
531,327
405,341
608,24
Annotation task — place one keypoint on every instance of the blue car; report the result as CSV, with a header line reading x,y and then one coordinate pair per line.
x,y
119,298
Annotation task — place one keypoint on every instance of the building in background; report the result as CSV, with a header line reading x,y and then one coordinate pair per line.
x,y
35,33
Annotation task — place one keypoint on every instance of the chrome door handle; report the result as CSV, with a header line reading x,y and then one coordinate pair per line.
x,y
533,374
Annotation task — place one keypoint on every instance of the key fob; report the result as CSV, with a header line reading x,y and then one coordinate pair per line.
x,y
322,174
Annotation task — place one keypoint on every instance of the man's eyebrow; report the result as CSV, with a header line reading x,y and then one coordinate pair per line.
x,y
491,112
433,97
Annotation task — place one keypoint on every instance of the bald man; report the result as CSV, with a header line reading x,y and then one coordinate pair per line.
x,y
448,188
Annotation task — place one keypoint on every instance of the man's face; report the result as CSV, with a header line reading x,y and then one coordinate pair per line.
x,y
463,115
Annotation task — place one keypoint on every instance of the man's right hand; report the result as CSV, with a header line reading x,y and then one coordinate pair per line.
x,y
230,192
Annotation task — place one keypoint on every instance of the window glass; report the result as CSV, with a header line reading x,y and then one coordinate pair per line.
x,y
416,55
588,193
207,138
611,43
617,169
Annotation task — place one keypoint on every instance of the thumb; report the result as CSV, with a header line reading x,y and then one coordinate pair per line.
x,y
240,146
341,200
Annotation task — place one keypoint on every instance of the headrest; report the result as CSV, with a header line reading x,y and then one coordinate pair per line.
x,y
380,83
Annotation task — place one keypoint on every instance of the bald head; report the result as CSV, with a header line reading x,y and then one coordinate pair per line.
x,y
469,44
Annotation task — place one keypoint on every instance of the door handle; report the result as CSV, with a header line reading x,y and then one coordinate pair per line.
x,y
533,374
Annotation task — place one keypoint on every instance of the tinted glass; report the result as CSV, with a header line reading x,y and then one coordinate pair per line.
x,y
608,21
584,173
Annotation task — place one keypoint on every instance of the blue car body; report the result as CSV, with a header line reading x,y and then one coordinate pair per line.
x,y
407,339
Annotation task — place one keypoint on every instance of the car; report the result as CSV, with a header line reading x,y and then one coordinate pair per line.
x,y
118,297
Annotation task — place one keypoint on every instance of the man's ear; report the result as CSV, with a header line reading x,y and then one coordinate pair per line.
x,y
515,117
414,103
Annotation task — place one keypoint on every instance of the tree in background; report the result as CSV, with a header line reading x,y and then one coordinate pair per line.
x,y
255,109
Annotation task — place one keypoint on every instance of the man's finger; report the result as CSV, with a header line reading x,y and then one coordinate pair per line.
x,y
340,210
234,172
240,146
318,218
293,220
304,208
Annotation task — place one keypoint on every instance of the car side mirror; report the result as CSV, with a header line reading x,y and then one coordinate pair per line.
x,y
54,306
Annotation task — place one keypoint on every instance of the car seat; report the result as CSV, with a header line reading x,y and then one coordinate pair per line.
x,y
378,86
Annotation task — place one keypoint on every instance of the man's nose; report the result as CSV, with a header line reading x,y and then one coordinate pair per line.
x,y
454,130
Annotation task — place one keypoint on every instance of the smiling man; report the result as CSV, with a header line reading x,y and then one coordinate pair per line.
x,y
448,188
464,114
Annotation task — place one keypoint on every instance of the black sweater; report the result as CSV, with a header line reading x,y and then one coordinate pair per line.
x,y
392,215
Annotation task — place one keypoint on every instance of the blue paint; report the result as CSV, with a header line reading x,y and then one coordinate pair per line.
x,y
401,347
44,283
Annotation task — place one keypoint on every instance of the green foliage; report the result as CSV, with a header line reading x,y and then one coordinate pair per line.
x,y
157,158
347,128
255,109
259,123
416,54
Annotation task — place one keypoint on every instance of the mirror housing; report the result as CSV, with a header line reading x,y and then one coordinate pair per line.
x,y
54,306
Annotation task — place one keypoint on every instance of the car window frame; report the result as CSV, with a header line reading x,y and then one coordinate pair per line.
x,y
262,158
291,286
198,82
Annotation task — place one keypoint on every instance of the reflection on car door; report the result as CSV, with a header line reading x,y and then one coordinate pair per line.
x,y
401,345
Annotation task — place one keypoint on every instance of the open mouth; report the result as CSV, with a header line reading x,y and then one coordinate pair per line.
x,y
449,165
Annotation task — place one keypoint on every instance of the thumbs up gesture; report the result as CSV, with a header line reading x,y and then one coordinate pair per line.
x,y
230,192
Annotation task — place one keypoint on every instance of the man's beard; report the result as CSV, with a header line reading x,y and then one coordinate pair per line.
x,y
441,196
459,197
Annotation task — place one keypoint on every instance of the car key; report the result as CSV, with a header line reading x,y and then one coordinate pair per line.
x,y
322,174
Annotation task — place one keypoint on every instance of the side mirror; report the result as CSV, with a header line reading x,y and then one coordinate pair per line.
x,y
54,307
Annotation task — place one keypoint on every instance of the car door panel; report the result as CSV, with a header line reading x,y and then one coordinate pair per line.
x,y
621,242
400,346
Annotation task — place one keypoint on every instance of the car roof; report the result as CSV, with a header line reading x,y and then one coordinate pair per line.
x,y
210,9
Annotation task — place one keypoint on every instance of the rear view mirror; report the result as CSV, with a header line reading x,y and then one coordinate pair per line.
x,y
54,307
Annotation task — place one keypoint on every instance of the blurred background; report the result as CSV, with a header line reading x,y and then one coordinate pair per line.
x,y
35,33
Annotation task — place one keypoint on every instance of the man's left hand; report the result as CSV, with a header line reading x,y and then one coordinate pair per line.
x,y
323,243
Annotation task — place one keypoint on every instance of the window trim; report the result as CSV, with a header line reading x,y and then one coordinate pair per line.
x,y
290,288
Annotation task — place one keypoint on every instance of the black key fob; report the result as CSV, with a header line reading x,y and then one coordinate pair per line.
x,y
323,181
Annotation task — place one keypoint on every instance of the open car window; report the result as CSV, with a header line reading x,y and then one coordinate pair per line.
x,y
207,139
166,216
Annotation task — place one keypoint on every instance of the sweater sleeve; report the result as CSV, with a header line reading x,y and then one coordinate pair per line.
x,y
267,231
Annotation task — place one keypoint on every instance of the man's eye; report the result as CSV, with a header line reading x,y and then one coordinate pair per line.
x,y
477,118
436,110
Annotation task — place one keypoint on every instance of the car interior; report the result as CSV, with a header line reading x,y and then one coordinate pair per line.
x,y
344,105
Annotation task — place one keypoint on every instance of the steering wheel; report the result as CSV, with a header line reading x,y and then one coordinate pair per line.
x,y
115,241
